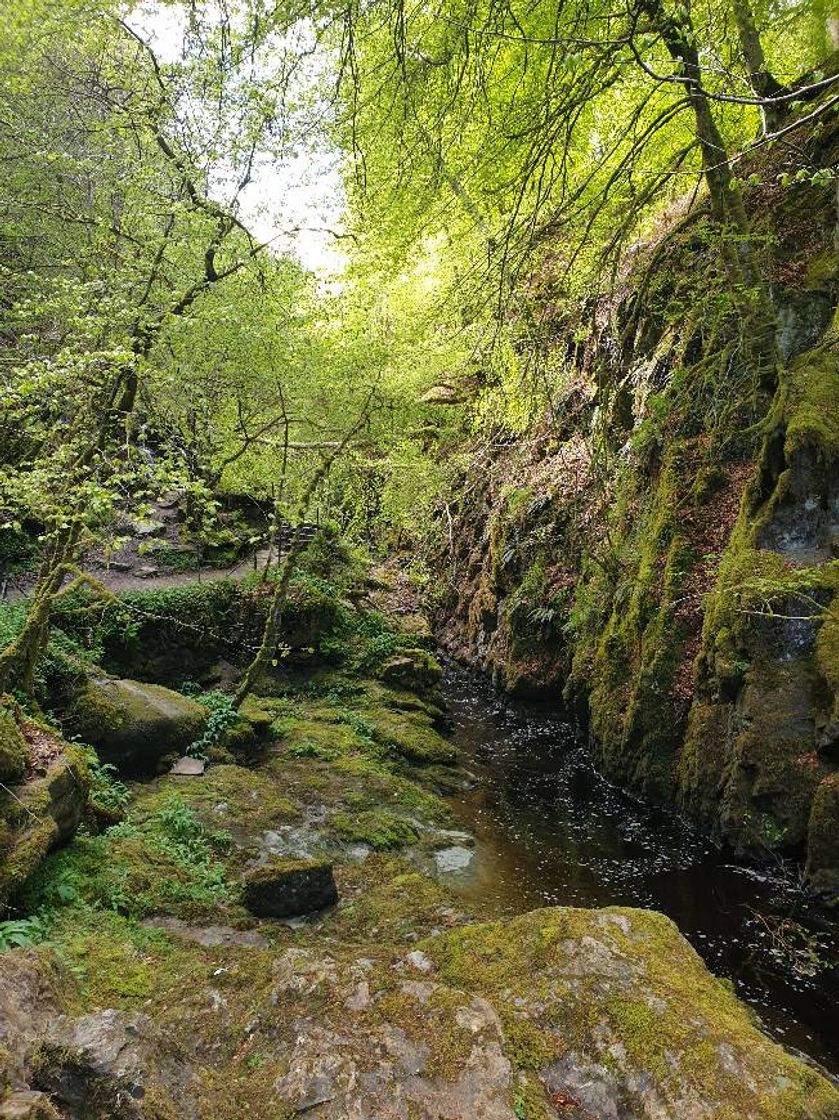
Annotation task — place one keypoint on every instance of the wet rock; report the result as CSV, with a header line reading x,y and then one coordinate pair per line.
x,y
282,888
133,725
115,1066
450,860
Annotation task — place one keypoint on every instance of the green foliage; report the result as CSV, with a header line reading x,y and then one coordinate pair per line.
x,y
23,933
222,716
167,862
107,792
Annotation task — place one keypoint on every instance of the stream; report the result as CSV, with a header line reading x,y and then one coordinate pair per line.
x,y
549,830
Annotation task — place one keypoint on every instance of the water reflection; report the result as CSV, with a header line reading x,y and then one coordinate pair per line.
x,y
550,831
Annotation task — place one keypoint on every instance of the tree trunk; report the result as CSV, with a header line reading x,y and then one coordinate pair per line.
x,y
764,84
753,305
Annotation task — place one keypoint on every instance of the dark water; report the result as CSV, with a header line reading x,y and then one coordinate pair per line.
x,y
550,831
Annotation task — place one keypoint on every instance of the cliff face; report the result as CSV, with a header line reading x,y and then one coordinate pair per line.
x,y
662,550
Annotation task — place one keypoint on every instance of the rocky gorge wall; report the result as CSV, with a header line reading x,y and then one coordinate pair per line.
x,y
661,551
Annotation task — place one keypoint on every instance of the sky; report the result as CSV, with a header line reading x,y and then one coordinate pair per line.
x,y
304,192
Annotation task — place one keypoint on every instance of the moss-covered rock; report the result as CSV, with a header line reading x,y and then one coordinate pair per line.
x,y
132,725
282,888
381,829
42,813
412,669
113,1066
411,734
613,1010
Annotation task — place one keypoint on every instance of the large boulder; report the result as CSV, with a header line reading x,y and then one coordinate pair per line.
x,y
618,1017
414,669
282,888
132,724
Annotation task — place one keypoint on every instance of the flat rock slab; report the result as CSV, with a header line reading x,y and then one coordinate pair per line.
x,y
208,936
187,767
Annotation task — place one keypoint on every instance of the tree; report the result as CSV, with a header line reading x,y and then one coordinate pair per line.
x,y
120,217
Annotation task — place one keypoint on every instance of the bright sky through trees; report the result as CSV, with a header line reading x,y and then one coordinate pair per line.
x,y
303,194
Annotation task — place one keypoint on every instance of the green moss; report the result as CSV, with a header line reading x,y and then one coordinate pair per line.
x,y
416,669
386,900
434,1024
822,269
823,839
411,735
827,656
628,665
167,863
586,982
811,405
249,799
14,751
40,814
133,724
167,635
380,828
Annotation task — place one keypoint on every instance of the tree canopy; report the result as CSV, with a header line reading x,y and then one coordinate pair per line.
x,y
498,160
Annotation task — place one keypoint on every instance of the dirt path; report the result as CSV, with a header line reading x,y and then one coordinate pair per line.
x,y
12,589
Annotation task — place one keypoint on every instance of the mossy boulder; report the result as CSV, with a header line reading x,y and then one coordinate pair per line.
x,y
416,670
133,725
412,735
283,888
612,1010
13,748
253,725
